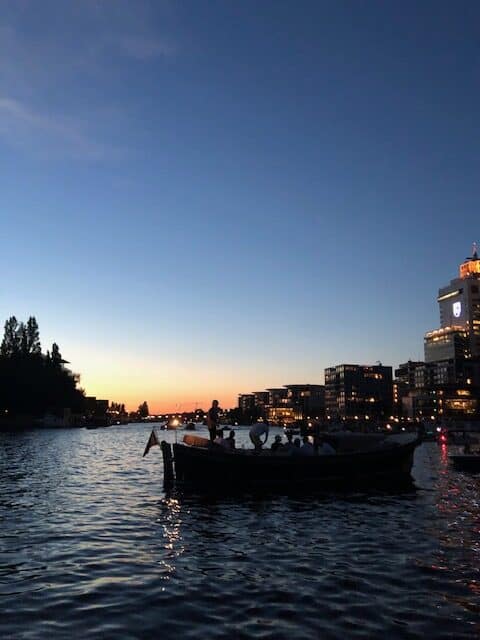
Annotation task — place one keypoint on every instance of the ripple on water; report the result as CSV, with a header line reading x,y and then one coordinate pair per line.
x,y
91,546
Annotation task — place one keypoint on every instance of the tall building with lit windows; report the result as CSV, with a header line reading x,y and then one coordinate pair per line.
x,y
448,383
355,391
459,304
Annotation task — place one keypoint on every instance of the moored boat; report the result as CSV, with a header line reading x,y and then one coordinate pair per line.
x,y
358,458
466,462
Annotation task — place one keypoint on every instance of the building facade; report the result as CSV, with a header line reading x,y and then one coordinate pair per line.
x,y
246,402
354,391
459,303
447,384
307,400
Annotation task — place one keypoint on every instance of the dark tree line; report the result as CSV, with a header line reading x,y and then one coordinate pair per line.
x,y
143,410
248,416
33,383
117,407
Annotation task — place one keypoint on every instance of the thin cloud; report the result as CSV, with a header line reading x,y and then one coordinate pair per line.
x,y
142,48
20,124
44,46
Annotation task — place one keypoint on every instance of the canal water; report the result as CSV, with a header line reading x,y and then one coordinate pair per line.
x,y
92,547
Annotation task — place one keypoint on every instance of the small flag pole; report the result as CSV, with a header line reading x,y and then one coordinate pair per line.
x,y
152,442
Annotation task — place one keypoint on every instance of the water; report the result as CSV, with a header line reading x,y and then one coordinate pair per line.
x,y
90,546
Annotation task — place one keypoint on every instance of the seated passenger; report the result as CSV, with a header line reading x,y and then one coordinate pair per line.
x,y
219,440
230,441
325,448
288,447
296,447
277,444
307,447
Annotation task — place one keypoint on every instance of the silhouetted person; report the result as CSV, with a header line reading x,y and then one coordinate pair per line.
x,y
307,447
325,448
231,440
288,447
213,420
277,444
256,431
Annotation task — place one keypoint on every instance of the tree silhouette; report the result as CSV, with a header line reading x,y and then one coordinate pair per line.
x,y
56,356
32,336
143,411
11,343
32,383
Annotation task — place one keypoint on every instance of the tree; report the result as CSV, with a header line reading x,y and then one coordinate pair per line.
x,y
29,337
143,411
56,356
23,339
31,384
33,336
11,343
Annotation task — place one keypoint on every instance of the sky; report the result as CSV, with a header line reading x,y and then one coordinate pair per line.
x,y
200,199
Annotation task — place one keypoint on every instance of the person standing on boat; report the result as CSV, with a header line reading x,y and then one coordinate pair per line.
x,y
256,432
213,420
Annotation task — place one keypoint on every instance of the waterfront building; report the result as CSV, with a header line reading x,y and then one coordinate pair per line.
x,y
354,391
404,383
281,415
95,407
306,400
449,343
447,383
459,304
277,397
246,402
278,409
261,401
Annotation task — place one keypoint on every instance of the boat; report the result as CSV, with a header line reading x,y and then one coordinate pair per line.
x,y
466,461
368,457
190,426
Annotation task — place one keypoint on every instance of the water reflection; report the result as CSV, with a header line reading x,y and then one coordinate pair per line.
x,y
170,519
86,524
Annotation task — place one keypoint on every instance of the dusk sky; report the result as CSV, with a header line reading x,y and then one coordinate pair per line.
x,y
200,199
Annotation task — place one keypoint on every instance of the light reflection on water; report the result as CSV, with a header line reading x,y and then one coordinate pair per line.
x,y
90,545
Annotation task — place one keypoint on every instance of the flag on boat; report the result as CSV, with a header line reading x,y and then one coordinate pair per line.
x,y
152,441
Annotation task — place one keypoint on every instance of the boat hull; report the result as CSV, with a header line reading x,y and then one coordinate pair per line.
x,y
466,462
208,467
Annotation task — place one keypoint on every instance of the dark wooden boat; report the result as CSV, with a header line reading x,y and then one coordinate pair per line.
x,y
466,462
200,464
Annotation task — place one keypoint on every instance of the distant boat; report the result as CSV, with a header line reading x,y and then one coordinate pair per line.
x,y
466,462
190,426
358,458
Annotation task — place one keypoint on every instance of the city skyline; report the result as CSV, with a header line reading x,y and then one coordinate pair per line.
x,y
228,198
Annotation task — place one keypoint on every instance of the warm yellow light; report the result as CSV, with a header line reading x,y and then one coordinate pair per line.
x,y
448,295
470,267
